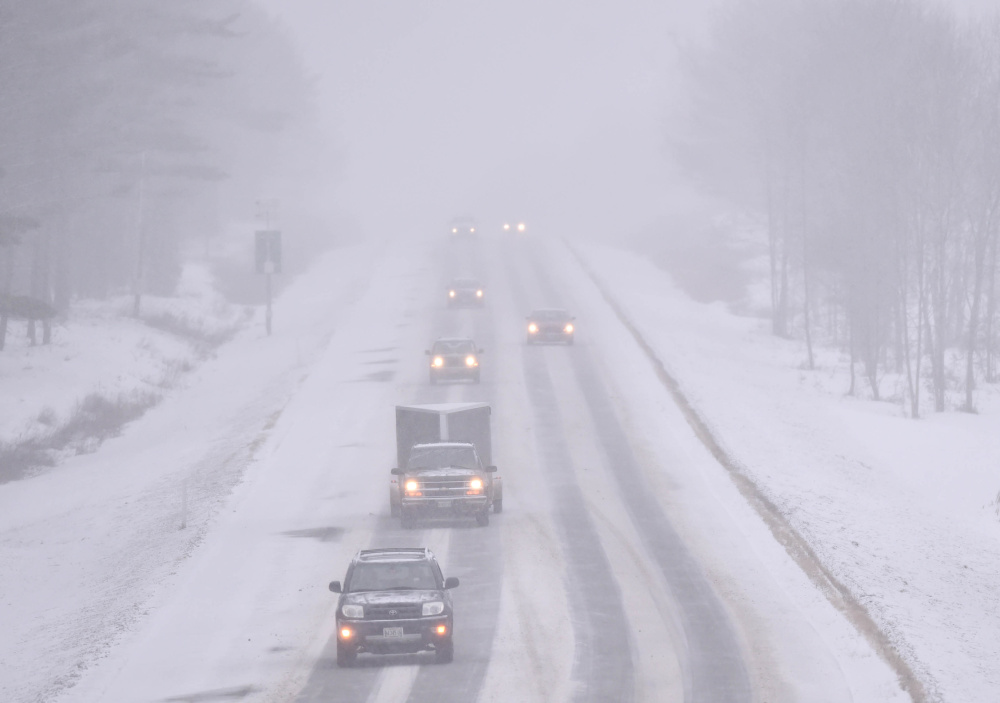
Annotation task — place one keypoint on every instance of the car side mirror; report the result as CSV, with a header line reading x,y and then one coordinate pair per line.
x,y
335,586
491,469
482,351
397,472
451,582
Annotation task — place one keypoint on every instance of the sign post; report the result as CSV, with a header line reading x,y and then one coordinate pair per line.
x,y
267,252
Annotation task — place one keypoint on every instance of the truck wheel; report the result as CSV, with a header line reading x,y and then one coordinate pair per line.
x,y
346,656
445,652
498,506
483,518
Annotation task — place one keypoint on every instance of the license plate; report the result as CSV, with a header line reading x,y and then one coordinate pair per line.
x,y
444,504
392,632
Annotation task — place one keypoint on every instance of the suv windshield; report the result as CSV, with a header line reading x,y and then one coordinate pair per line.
x,y
453,346
392,576
441,457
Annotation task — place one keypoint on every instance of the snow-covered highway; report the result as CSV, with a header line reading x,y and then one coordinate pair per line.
x,y
625,566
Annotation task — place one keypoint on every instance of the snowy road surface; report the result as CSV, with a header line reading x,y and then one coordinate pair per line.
x,y
625,565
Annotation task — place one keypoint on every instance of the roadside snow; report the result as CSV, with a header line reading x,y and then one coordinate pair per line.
x,y
901,511
101,350
88,548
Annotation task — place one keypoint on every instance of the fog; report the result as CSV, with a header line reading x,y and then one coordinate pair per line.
x,y
550,112
556,112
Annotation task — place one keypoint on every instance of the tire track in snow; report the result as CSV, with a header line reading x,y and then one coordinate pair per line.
x,y
714,665
797,547
603,653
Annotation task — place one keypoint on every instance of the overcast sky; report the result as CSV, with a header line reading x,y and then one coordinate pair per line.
x,y
548,110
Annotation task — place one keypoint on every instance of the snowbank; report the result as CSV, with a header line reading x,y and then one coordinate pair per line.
x,y
903,512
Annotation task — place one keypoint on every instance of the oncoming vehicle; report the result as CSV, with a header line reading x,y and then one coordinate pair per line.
x,y
466,292
444,467
515,226
454,358
462,226
394,601
550,325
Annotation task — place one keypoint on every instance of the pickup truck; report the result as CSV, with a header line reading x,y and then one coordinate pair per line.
x,y
443,464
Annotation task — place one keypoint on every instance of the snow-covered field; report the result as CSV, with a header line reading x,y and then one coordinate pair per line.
x,y
903,512
135,570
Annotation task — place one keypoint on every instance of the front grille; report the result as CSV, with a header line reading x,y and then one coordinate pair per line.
x,y
401,611
444,487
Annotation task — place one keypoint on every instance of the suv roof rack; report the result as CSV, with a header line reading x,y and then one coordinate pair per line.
x,y
390,553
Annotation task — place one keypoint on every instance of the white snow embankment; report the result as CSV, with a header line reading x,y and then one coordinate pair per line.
x,y
89,549
900,511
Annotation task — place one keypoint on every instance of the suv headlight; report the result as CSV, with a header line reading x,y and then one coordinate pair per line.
x,y
352,611
433,608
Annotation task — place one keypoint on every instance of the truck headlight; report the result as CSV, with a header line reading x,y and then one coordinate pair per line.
x,y
471,361
568,329
451,294
433,608
352,611
532,328
520,227
476,484
412,486
479,294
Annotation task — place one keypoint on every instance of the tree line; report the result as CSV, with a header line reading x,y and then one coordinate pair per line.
x,y
126,128
865,135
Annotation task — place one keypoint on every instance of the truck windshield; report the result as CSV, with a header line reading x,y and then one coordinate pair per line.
x,y
442,457
453,346
392,576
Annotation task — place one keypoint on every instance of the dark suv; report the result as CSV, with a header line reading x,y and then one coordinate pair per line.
x,y
394,601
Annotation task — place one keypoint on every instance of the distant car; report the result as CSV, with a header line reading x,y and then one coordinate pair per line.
x,y
454,358
466,292
462,226
394,601
550,325
515,226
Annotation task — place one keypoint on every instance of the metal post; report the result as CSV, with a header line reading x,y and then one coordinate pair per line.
x,y
268,276
140,263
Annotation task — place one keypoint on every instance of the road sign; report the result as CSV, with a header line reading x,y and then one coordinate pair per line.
x,y
268,251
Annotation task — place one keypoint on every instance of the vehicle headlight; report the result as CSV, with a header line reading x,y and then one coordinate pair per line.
x,y
506,227
520,227
451,294
433,608
472,230
476,484
568,329
479,294
352,611
471,361
454,230
532,328
412,486
438,361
